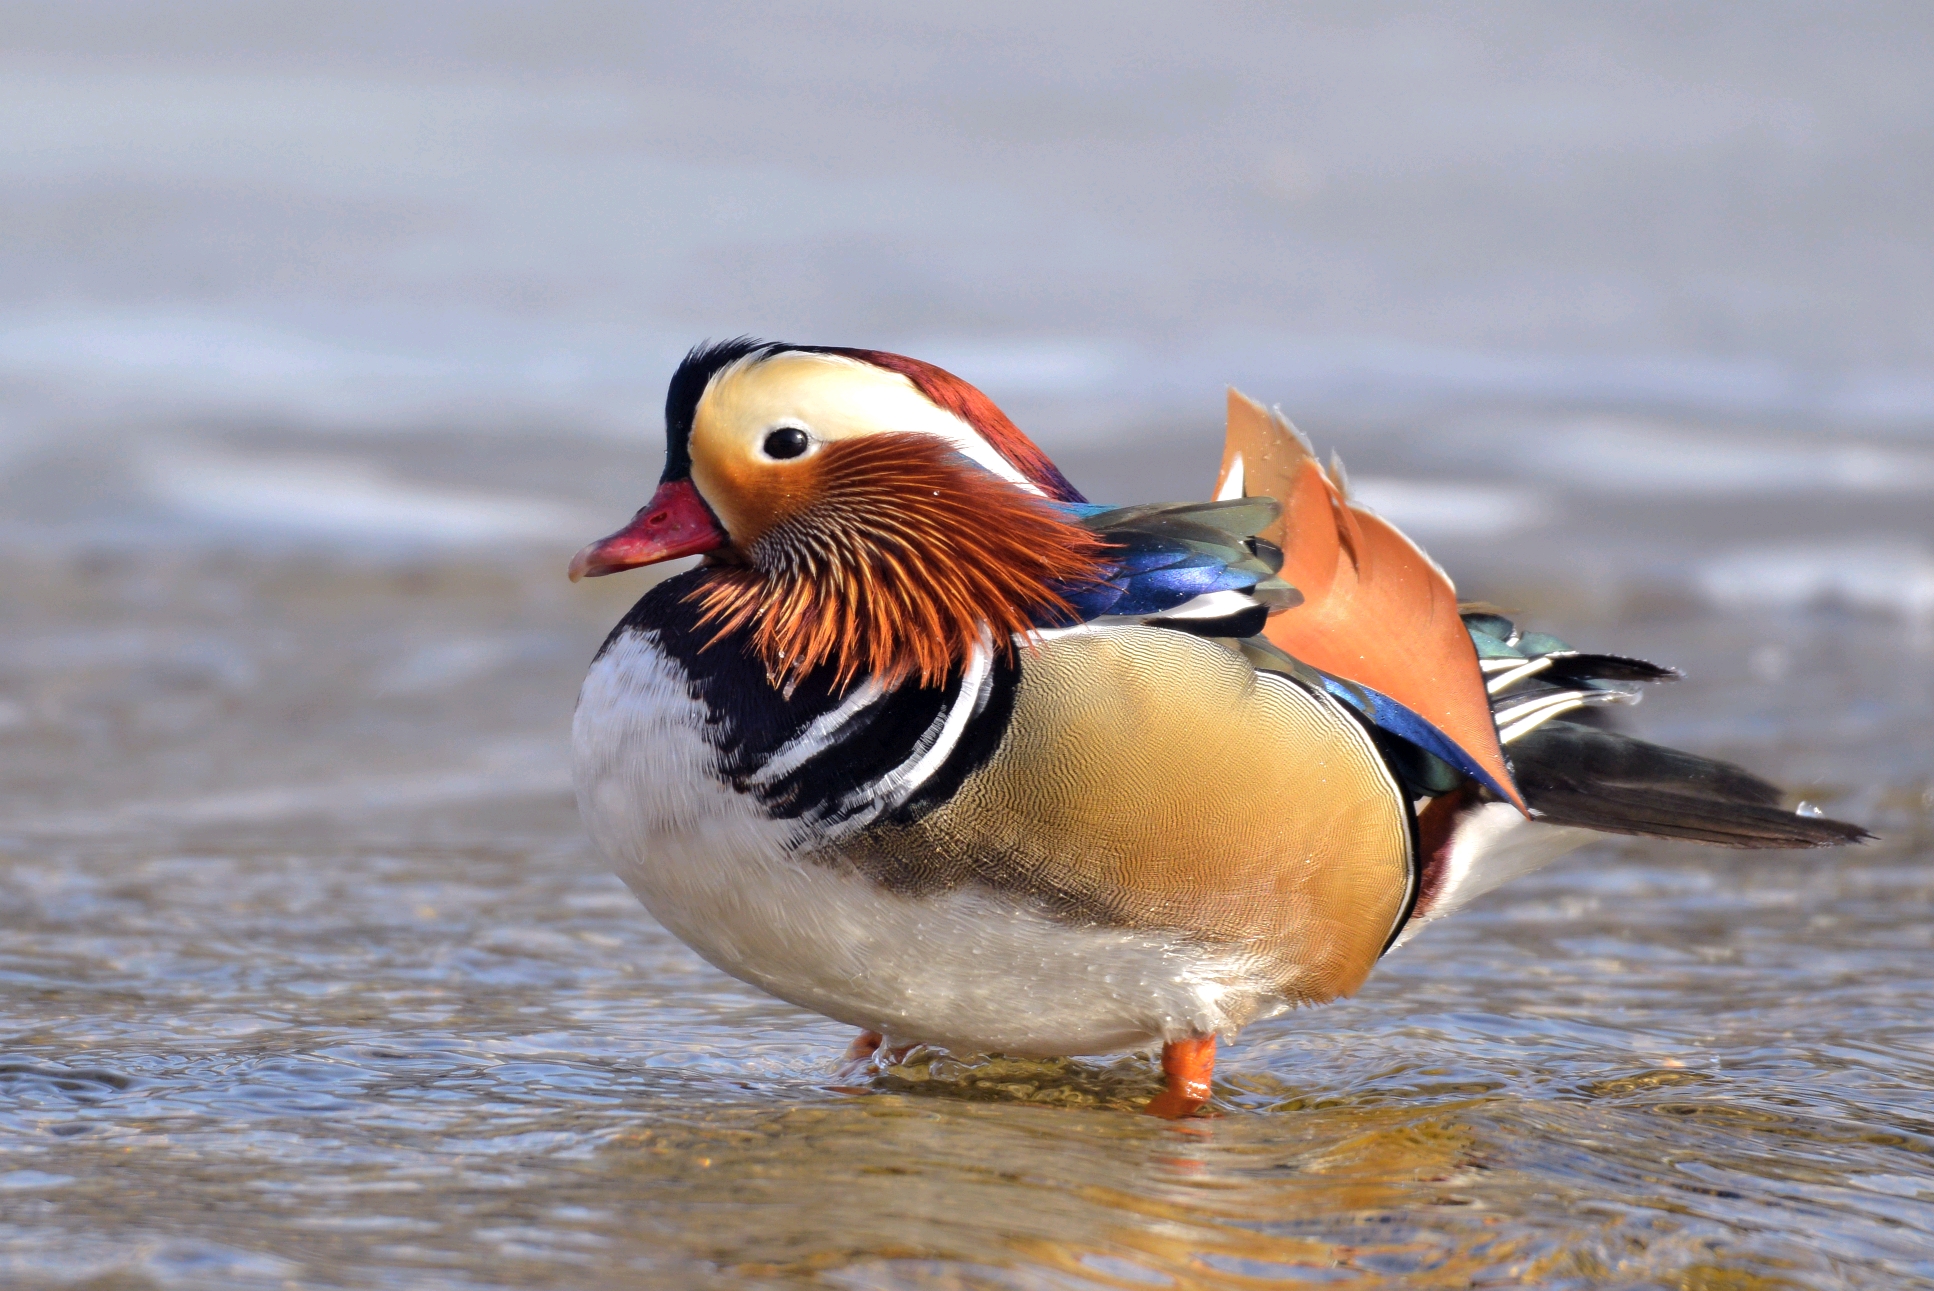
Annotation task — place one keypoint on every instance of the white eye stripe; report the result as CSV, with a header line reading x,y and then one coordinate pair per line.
x,y
977,450
865,400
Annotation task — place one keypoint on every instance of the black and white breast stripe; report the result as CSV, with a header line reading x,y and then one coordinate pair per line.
x,y
835,761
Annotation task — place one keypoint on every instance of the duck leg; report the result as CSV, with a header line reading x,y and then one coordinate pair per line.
x,y
867,1053
857,1062
1187,1066
866,1045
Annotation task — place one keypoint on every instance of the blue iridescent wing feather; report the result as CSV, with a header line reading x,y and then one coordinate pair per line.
x,y
1162,558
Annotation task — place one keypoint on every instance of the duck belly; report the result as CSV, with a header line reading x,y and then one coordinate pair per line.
x,y
966,968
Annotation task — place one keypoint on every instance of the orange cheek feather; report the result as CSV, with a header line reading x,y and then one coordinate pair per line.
x,y
887,556
751,498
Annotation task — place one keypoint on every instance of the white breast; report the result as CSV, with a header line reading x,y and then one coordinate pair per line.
x,y
971,970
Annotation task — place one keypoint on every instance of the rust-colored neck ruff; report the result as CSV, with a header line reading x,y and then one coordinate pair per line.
x,y
896,561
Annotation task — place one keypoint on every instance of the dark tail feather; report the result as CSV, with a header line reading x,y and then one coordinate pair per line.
x,y
1581,775
1577,669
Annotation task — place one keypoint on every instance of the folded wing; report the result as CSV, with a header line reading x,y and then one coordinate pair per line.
x,y
1152,779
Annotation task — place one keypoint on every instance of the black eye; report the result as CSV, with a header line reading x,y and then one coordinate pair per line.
x,y
787,441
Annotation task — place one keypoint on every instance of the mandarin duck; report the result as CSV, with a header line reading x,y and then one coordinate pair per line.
x,y
933,746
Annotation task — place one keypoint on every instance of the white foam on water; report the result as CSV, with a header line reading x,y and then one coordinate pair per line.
x,y
1379,372
1623,456
343,499
33,1180
498,769
330,371
1451,509
407,366
1882,576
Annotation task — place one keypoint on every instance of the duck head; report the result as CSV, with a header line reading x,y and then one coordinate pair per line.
x,y
854,507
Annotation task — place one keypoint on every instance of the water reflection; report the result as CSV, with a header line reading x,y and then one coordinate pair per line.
x,y
290,1056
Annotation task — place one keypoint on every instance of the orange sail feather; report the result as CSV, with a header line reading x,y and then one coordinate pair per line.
x,y
1376,610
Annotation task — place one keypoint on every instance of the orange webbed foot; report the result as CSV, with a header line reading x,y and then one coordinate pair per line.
x,y
865,1045
856,1063
864,1055
1187,1066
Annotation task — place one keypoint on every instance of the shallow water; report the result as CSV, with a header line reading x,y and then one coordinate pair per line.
x,y
312,981
328,332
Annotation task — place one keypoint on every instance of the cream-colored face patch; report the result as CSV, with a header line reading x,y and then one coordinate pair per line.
x,y
829,398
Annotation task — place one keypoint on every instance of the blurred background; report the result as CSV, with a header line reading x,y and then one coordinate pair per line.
x,y
329,332
1617,305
